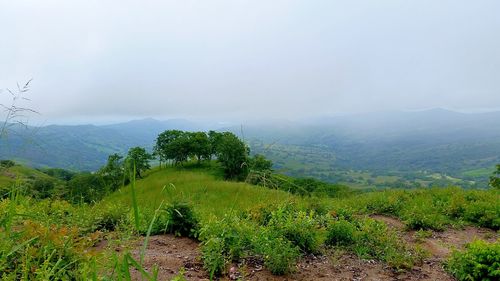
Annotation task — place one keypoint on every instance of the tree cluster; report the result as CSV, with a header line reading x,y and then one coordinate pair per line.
x,y
177,147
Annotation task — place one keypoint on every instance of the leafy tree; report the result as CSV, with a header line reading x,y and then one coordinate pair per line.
x,y
59,173
260,163
139,157
213,139
495,178
113,173
172,145
42,188
232,153
199,145
163,141
86,187
260,170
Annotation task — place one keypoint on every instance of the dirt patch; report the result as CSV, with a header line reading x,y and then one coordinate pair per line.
x,y
441,244
170,254
390,221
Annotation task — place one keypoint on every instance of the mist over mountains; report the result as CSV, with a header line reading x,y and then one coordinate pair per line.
x,y
434,140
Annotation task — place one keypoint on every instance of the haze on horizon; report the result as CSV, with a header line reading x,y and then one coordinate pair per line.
x,y
250,59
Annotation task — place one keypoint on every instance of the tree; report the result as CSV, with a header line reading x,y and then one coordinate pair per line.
x,y
86,187
138,157
172,145
213,139
113,173
232,153
199,145
495,178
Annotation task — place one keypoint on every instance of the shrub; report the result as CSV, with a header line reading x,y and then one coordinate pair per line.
x,y
423,217
214,260
483,213
373,239
108,217
178,219
181,220
235,234
479,261
299,227
7,163
340,232
279,255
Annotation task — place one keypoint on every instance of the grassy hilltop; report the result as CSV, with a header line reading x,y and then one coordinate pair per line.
x,y
240,226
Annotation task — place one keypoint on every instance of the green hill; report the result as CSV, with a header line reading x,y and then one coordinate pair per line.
x,y
244,226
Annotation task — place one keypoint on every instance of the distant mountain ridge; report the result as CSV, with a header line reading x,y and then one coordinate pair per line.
x,y
437,140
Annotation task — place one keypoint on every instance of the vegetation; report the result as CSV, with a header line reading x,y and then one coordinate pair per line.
x,y
479,261
495,178
51,218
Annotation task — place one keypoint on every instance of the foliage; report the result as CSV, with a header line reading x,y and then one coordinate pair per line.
x,y
113,173
298,227
479,261
138,158
340,232
181,220
280,256
495,178
232,153
7,163
86,188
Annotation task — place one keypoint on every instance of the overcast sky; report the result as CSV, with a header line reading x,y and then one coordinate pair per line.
x,y
228,59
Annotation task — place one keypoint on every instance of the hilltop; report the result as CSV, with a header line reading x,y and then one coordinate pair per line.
x,y
255,232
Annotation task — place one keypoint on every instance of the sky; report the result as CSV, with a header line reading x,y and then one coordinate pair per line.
x,y
104,59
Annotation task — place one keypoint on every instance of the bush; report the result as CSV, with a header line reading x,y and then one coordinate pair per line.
x,y
374,240
235,235
280,256
479,261
181,220
214,260
299,227
7,163
108,217
340,232
177,218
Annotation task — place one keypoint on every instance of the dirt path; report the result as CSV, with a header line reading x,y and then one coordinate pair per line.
x,y
171,254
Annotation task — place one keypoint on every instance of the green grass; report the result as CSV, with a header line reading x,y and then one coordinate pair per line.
x,y
209,195
236,220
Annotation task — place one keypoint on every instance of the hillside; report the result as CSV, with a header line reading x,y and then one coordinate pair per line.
x,y
239,230
396,149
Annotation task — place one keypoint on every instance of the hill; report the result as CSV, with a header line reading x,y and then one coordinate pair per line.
x,y
397,149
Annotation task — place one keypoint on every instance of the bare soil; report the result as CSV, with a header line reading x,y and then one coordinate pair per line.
x,y
171,254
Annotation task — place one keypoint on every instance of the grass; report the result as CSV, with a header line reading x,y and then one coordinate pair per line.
x,y
209,196
236,220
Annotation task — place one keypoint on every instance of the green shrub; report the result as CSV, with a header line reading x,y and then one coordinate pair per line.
x,y
299,227
178,219
212,253
373,239
182,220
108,217
423,217
479,261
279,255
235,234
340,232
483,213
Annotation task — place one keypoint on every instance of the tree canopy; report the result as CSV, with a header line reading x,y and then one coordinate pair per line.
x,y
139,157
